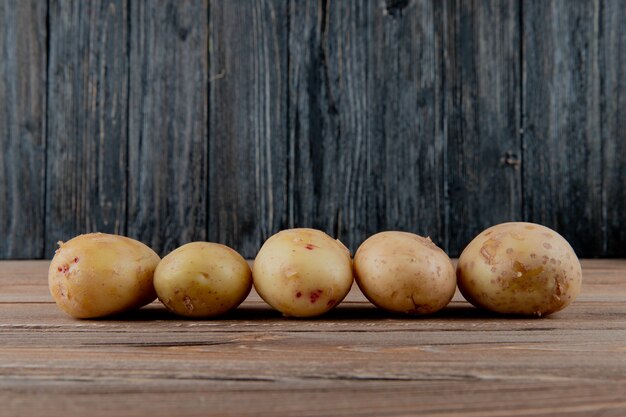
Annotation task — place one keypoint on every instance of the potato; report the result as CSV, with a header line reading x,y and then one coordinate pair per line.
x,y
302,272
404,273
202,279
519,268
97,274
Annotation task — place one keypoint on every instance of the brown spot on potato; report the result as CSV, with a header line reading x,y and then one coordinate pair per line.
x,y
509,250
188,304
489,250
547,245
529,227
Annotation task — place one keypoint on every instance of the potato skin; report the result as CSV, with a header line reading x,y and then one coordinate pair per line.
x,y
404,273
519,268
202,279
97,274
302,272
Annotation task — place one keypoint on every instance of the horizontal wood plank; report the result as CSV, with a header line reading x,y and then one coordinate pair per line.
x,y
356,360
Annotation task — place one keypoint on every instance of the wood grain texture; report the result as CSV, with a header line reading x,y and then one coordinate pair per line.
x,y
87,119
172,121
22,128
328,117
168,142
247,122
612,51
562,125
405,161
356,360
483,144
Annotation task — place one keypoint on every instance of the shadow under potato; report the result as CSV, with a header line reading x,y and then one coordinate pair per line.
x,y
347,311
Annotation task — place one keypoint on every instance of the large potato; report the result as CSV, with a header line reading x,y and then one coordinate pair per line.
x,y
405,273
97,274
302,272
202,279
519,268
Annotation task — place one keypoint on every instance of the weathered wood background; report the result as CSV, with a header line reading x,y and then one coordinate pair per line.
x,y
173,121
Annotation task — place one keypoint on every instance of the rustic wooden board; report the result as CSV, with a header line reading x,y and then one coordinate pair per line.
x,y
365,104
168,142
612,51
355,360
562,124
22,128
247,122
87,119
405,149
328,117
174,121
483,143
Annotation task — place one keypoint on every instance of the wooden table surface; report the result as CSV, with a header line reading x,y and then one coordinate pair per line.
x,y
356,360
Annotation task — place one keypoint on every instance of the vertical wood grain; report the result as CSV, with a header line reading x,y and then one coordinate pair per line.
x,y
482,118
365,111
247,119
612,51
22,128
87,119
405,171
167,197
562,129
328,117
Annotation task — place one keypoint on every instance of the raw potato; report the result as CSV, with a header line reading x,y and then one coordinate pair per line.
x,y
97,274
519,268
404,273
302,272
202,279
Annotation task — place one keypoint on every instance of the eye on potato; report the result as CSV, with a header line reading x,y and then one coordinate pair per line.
x,y
98,274
302,272
404,273
519,268
202,279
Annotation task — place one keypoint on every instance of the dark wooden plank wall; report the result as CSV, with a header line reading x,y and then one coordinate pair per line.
x,y
167,153
23,55
87,142
173,121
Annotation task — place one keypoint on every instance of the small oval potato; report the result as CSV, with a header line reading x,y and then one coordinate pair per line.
x,y
404,273
202,279
97,274
302,272
519,268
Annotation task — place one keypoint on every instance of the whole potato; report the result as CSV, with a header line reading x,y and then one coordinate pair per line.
x,y
202,279
302,272
519,268
405,273
98,274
